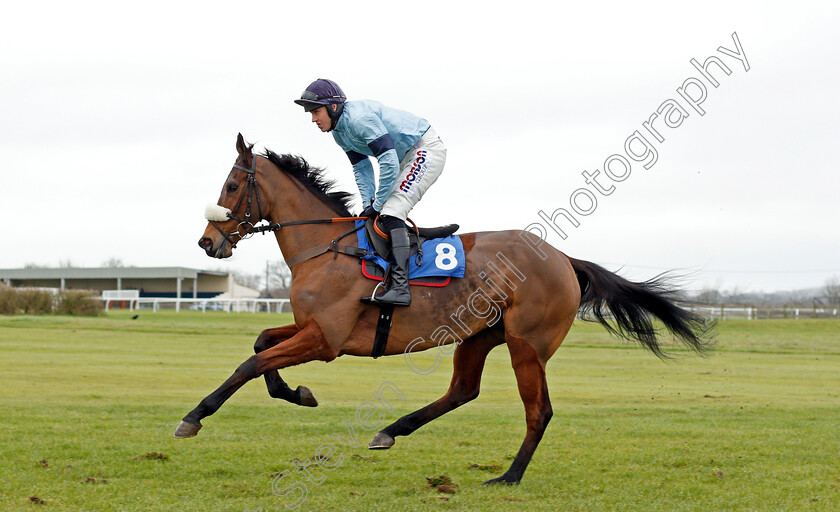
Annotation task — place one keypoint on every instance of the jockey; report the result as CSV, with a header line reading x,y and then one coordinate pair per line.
x,y
410,154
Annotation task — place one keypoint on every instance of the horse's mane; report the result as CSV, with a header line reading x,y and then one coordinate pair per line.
x,y
313,179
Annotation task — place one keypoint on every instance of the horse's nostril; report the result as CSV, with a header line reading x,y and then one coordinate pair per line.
x,y
205,243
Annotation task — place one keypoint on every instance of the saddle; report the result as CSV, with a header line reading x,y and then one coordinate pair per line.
x,y
378,241
416,236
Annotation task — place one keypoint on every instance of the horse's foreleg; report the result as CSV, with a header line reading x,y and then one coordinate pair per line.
x,y
530,377
466,379
307,345
277,387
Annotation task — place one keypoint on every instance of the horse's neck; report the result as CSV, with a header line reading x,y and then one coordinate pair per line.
x,y
300,206
293,240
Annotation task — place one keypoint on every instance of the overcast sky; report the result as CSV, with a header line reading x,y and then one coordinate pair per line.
x,y
118,124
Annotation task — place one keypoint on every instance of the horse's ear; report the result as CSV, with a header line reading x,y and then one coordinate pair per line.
x,y
244,149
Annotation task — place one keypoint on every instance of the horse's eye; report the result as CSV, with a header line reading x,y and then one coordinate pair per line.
x,y
233,187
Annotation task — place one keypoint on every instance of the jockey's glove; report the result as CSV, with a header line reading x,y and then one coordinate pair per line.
x,y
370,211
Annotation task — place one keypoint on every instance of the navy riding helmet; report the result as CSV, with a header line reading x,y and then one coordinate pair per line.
x,y
323,92
319,93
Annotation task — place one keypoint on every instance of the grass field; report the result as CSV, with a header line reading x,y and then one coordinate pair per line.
x,y
89,405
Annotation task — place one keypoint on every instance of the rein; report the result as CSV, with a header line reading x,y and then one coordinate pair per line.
x,y
252,191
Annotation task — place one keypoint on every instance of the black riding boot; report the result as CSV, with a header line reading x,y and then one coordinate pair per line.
x,y
398,292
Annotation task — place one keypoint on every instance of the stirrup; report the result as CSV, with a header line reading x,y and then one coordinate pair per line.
x,y
371,299
405,300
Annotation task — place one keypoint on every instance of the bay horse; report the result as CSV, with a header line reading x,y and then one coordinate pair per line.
x,y
536,292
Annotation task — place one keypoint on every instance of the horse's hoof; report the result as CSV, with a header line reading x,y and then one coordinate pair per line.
x,y
307,399
502,480
187,429
381,441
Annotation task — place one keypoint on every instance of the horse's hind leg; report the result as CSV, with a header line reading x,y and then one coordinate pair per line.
x,y
277,387
468,364
530,377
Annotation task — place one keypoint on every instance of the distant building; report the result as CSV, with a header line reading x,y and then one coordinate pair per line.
x,y
178,282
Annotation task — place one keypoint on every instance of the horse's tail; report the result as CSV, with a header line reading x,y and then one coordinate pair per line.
x,y
633,306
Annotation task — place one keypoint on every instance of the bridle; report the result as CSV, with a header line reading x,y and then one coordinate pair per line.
x,y
252,192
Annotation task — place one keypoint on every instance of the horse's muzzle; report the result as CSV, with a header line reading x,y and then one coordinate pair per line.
x,y
219,252
216,243
206,244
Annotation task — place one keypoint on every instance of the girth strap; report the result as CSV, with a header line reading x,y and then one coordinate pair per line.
x,y
383,329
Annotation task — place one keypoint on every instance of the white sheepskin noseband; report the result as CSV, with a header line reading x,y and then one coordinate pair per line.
x,y
216,213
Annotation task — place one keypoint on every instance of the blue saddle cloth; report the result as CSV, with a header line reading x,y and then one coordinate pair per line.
x,y
442,257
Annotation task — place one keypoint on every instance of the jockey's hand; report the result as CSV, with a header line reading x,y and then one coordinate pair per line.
x,y
370,211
